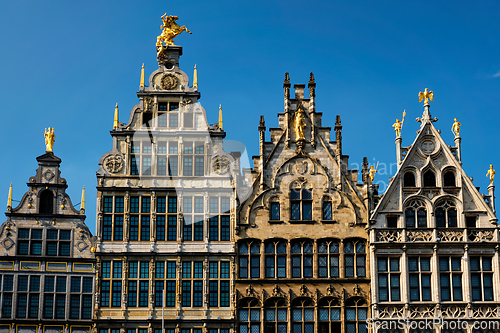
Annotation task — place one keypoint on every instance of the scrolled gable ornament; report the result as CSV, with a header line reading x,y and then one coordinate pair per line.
x,y
113,163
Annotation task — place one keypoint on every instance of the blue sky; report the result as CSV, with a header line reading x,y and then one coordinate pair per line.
x,y
65,64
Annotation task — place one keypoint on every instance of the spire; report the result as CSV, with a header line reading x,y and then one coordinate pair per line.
x,y
220,116
195,77
82,205
115,123
142,77
9,200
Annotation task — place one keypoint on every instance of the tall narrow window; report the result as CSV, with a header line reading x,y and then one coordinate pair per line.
x,y
302,315
161,164
328,259
249,316
302,259
173,158
449,178
446,214
420,278
356,313
301,204
327,209
481,278
275,259
218,283
389,274
329,315
187,164
199,159
450,269
192,283
249,260
275,316
275,211
355,257
416,210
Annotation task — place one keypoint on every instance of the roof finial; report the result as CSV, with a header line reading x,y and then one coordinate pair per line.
x,y
115,123
220,116
82,205
9,200
142,77
195,77
50,138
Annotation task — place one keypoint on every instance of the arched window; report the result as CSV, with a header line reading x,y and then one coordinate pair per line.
x,y
275,259
249,260
429,179
356,313
327,209
354,258
46,202
416,209
329,315
409,179
249,316
301,203
449,179
302,259
276,317
328,259
302,315
446,215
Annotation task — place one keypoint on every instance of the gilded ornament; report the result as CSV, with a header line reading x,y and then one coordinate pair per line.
x,y
50,137
426,96
299,124
169,82
491,172
170,30
399,125
372,172
455,128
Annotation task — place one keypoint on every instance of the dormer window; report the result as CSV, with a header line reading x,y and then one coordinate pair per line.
x,y
46,202
449,179
429,179
168,114
409,180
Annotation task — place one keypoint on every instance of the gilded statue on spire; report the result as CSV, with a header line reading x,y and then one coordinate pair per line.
x,y
50,137
299,124
426,96
170,30
491,172
455,128
398,125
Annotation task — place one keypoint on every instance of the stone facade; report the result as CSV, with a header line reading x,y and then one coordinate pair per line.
x,y
434,241
302,239
166,215
47,271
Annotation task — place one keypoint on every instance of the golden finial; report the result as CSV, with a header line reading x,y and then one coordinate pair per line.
x,y
9,200
50,137
426,96
115,123
455,128
142,77
82,205
491,172
220,116
195,77
170,30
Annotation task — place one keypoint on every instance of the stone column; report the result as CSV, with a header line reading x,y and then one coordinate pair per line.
x,y
436,293
398,151
404,277
491,191
458,141
466,288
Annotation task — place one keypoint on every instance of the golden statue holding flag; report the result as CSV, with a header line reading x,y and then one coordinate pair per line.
x,y
399,125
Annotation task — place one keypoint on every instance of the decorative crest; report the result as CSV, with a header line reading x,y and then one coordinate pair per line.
x,y
50,137
170,30
426,96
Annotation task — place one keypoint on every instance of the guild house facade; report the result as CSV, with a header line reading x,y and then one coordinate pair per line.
x,y
434,241
302,245
166,211
47,271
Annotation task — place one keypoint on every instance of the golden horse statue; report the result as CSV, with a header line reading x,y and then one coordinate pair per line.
x,y
170,30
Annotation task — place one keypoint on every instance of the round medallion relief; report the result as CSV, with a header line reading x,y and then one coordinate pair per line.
x,y
169,82
428,146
